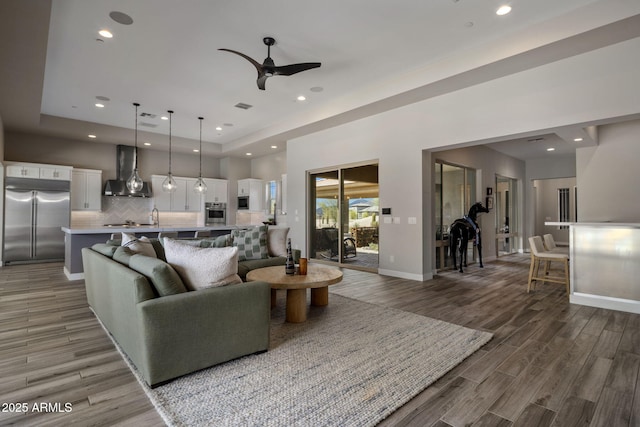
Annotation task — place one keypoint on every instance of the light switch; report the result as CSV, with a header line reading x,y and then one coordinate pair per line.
x,y
412,220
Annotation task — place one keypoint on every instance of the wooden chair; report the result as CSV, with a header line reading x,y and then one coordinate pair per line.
x,y
539,255
202,233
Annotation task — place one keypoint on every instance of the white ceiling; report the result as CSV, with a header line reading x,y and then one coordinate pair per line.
x,y
372,51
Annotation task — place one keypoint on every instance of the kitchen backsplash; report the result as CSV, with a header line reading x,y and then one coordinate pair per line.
x,y
116,210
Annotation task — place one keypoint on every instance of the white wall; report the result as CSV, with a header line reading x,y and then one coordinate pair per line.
x,y
608,175
597,85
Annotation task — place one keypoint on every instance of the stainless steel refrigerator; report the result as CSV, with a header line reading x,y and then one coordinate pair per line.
x,y
34,212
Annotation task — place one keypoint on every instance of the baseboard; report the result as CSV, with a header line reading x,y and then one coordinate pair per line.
x,y
600,301
73,276
404,275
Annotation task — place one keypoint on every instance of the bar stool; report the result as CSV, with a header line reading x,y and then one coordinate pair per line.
x,y
539,255
202,233
550,245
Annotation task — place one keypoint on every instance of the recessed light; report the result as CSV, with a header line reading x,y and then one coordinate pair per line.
x,y
551,149
195,150
218,128
274,146
248,154
147,143
301,98
503,10
577,139
92,136
105,33
164,118
99,105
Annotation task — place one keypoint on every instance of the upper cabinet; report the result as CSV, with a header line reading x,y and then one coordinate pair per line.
x,y
217,190
86,190
184,199
37,171
254,189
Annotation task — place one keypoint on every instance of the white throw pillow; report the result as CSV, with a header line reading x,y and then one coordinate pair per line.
x,y
202,268
277,241
140,245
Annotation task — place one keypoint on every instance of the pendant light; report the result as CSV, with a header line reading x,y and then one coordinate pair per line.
x,y
134,183
200,186
169,184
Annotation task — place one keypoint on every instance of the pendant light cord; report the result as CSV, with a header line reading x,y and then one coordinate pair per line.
x,y
200,150
170,114
136,135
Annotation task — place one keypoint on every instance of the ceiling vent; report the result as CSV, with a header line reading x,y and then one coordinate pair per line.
x,y
536,139
149,115
243,106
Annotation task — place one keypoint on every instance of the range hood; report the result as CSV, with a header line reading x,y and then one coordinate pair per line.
x,y
126,160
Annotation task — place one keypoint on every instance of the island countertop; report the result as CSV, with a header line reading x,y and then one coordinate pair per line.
x,y
147,229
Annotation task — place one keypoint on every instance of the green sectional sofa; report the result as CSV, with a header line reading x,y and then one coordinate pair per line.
x,y
165,330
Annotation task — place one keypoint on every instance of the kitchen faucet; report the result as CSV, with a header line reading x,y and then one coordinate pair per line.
x,y
155,217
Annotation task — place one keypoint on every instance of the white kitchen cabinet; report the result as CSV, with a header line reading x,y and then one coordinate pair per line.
x,y
217,190
62,174
184,199
35,171
254,188
86,190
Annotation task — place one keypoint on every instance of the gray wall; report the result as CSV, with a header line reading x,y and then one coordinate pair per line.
x,y
81,154
609,177
560,93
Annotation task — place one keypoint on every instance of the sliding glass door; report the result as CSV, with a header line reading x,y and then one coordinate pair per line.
x,y
345,205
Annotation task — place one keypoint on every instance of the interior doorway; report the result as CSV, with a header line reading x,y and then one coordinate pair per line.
x,y
455,192
344,225
506,205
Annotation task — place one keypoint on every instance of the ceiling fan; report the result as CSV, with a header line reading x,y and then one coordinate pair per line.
x,y
268,68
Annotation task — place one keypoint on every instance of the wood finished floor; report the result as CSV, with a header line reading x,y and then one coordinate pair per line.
x,y
549,363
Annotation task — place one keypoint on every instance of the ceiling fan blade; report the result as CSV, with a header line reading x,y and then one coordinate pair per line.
x,y
287,70
253,61
261,81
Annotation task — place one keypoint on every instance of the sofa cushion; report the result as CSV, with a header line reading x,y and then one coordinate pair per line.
x,y
104,249
203,267
123,255
217,242
277,241
251,243
141,245
163,277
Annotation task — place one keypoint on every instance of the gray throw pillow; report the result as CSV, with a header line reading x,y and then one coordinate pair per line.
x,y
163,277
251,243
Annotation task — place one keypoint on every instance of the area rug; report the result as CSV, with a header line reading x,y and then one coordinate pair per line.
x,y
350,364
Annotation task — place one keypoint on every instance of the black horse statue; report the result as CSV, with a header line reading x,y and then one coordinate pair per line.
x,y
462,231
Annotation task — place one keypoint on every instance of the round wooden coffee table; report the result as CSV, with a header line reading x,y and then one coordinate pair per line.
x,y
318,278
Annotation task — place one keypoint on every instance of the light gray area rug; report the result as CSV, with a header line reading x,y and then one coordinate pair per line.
x,y
351,364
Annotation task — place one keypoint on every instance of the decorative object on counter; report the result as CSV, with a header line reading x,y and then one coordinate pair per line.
x,y
169,184
289,266
134,183
302,269
200,186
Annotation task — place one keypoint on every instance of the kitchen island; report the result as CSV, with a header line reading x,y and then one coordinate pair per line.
x,y
604,264
76,238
